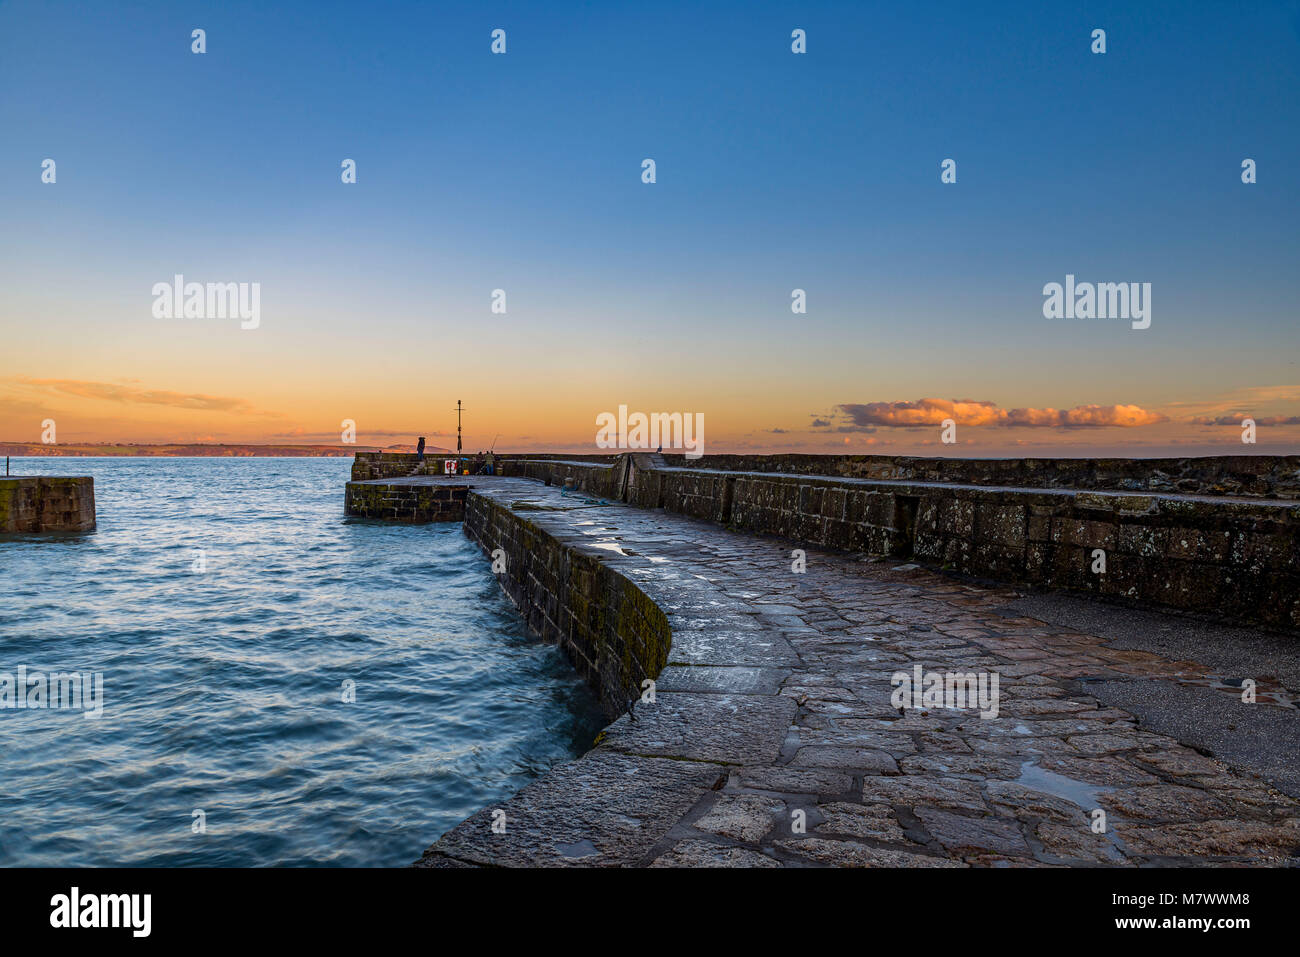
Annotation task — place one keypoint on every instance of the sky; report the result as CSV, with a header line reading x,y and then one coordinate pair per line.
x,y
774,171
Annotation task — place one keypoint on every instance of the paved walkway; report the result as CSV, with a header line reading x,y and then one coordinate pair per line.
x,y
773,740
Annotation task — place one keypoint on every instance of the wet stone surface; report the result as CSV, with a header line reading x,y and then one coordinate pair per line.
x,y
773,741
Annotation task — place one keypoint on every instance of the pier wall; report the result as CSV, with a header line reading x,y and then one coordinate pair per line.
x,y
33,504
406,502
749,723
612,632
1235,559
368,466
615,636
1262,476
1218,536
592,478
1244,476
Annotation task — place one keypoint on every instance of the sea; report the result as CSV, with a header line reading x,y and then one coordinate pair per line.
x,y
280,685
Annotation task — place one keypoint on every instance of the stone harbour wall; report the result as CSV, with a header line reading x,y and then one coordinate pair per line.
x,y
612,632
1263,476
1241,476
1233,559
593,478
405,501
1193,548
775,704
34,504
368,466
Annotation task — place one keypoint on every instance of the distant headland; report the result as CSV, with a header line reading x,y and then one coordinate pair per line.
x,y
208,449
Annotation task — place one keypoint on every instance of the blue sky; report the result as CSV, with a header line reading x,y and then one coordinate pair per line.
x,y
775,171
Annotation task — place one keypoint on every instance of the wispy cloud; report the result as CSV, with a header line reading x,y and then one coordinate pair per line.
x,y
301,433
1235,418
23,407
115,392
1248,397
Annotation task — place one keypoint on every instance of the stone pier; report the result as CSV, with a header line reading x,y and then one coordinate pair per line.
x,y
1121,735
46,503
773,741
1217,536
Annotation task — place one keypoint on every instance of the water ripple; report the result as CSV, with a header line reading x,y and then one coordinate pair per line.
x,y
222,690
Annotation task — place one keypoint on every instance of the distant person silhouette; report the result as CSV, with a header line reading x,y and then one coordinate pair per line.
x,y
419,450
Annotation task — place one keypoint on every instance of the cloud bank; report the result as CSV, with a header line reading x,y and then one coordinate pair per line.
x,y
932,412
113,392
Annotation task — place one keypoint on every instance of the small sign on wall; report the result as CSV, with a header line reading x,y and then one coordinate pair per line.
x,y
449,467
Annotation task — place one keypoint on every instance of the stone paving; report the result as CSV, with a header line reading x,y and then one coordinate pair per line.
x,y
773,740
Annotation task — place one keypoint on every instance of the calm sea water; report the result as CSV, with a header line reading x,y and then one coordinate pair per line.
x,y
223,688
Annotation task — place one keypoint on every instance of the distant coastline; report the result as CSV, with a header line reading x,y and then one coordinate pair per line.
x,y
197,449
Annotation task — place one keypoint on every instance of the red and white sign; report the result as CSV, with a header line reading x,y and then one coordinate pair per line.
x,y
449,467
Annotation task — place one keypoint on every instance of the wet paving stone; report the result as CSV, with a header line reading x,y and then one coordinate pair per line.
x,y
961,765
706,854
603,809
860,820
962,835
1078,845
848,854
1026,804
722,647
721,679
1165,802
858,759
1274,843
729,729
913,792
745,817
788,780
